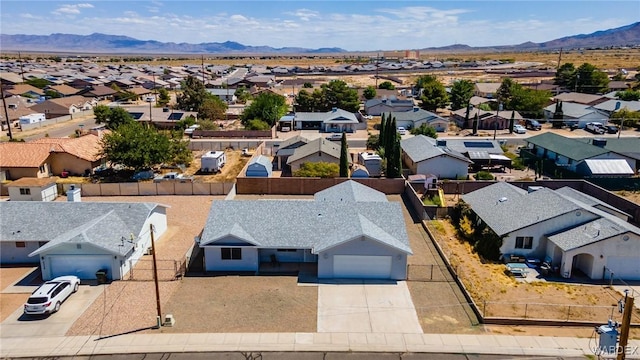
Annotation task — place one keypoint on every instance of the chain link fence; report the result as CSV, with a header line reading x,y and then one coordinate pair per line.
x,y
168,270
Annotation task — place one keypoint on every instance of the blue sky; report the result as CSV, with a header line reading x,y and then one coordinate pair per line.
x,y
351,25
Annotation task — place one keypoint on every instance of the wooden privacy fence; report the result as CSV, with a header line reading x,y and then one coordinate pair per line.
x,y
152,189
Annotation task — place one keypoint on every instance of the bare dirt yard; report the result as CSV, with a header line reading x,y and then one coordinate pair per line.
x,y
439,303
633,196
500,295
243,304
9,302
234,164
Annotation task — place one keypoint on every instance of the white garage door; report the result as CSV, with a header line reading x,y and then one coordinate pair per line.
x,y
84,266
624,267
361,267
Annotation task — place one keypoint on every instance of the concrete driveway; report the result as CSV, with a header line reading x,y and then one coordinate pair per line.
x,y
20,325
367,307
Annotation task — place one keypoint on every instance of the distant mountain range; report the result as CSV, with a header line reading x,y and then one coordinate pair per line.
x,y
116,44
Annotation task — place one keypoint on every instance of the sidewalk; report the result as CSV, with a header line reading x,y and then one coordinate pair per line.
x,y
330,342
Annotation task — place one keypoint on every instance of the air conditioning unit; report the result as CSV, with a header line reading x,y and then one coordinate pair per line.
x,y
169,320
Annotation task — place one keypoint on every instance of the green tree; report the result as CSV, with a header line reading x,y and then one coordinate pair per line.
x,y
318,169
344,156
136,146
208,125
630,118
628,95
422,81
101,113
212,108
242,95
186,122
434,96
529,103
386,85
558,116
506,92
306,101
51,94
476,123
566,76
337,94
373,141
267,106
383,130
112,117
590,80
193,94
394,167
178,149
38,82
425,130
369,92
307,85
257,124
461,93
163,96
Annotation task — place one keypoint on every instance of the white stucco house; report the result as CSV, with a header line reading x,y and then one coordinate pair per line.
x,y
577,232
348,230
417,116
78,238
334,120
423,155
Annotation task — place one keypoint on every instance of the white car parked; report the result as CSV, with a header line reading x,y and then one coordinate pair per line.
x,y
402,130
519,129
49,296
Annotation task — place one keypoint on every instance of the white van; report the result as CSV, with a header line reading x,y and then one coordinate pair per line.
x,y
402,130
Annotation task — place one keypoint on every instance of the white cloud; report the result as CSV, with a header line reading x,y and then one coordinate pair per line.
x,y
71,9
30,16
304,14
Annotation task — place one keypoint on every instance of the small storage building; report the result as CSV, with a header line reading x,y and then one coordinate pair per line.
x,y
33,189
259,166
212,161
32,118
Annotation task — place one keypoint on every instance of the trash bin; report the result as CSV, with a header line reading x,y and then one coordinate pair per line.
x,y
101,276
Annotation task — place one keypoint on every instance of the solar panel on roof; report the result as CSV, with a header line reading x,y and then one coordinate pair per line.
x,y
136,115
476,144
175,116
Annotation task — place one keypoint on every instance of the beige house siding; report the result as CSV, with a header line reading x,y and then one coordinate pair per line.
x,y
66,162
295,165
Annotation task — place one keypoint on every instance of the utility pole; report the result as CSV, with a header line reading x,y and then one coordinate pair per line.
x,y
624,328
155,275
6,114
495,123
559,59
21,66
202,59
377,59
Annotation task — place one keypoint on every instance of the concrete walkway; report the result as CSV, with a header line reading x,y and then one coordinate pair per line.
x,y
326,342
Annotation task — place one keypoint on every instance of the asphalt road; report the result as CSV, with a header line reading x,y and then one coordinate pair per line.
x,y
57,130
309,356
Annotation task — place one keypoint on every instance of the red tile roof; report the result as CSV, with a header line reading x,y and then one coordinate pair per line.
x,y
23,155
85,147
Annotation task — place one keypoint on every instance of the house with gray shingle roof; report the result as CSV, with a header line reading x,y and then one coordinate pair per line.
x,y
377,107
578,114
571,152
78,238
317,150
422,155
417,116
574,231
349,231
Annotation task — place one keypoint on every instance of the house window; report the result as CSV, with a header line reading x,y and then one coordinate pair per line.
x,y
287,250
21,244
231,253
25,191
42,168
524,242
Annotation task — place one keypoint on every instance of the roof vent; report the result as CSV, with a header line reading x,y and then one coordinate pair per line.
x,y
503,199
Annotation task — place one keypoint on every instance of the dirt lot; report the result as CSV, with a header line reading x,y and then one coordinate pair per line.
x,y
243,304
10,302
507,297
234,164
633,196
